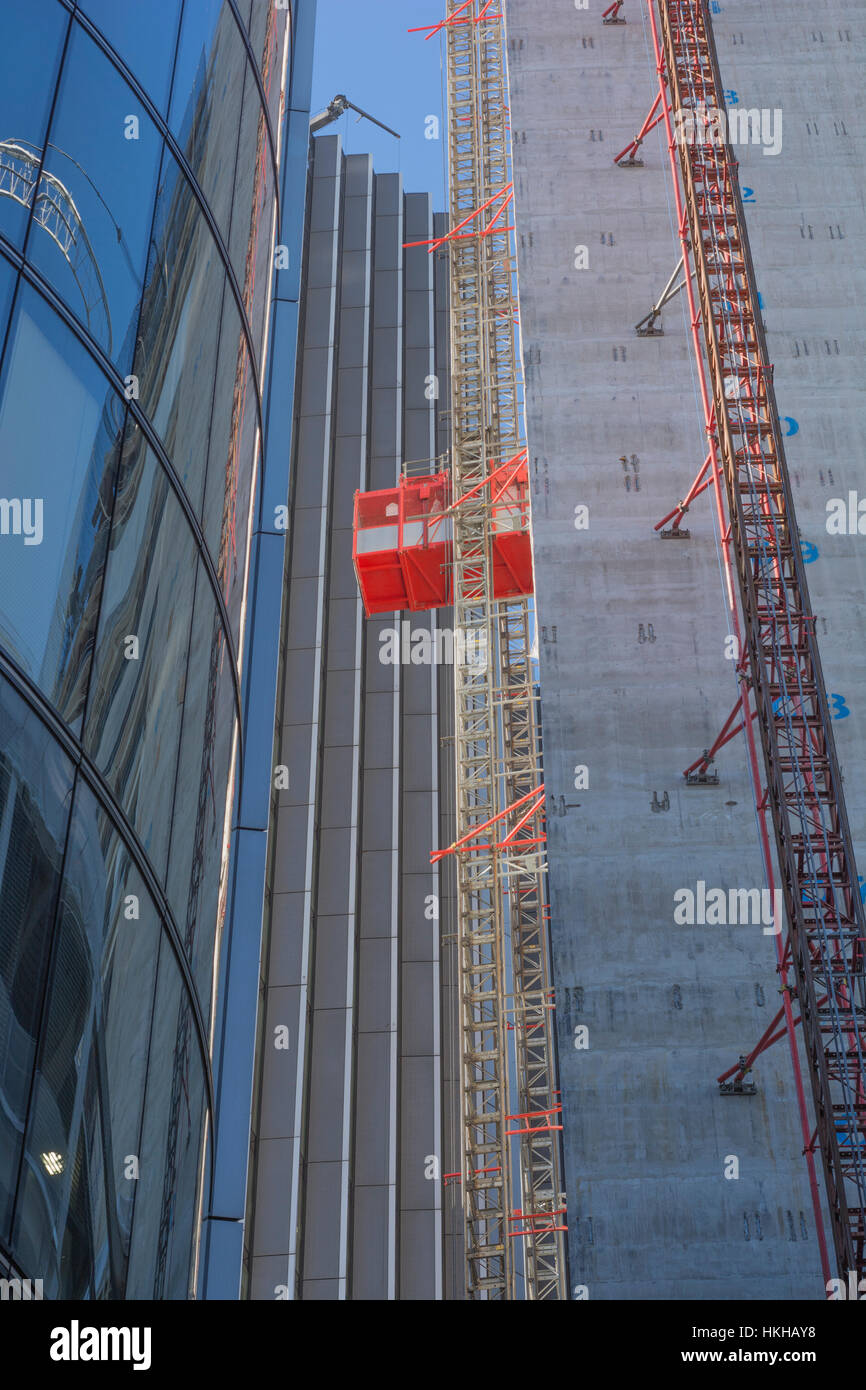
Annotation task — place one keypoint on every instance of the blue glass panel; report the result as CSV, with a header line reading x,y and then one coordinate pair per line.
x,y
267,30
170,1143
30,49
143,36
230,463
82,1156
210,87
59,430
7,285
132,729
90,229
180,320
198,824
35,795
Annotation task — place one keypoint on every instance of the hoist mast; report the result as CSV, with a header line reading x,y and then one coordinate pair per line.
x,y
513,1200
803,782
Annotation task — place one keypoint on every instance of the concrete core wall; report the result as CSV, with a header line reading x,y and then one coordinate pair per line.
x,y
632,628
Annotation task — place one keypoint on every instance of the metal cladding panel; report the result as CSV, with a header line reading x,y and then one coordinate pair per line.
x,y
326,1136
318,330
355,337
324,199
374,986
316,382
298,752
378,671
376,871
287,278
354,279
273,1157
324,1290
419,1281
387,295
277,1116
358,174
370,1234
269,1277
351,401
343,581
335,796
340,709
308,543
278,409
356,226
418,1134
290,849
416,831
337,858
419,930
266,611
300,693
285,960
350,463
419,1037
418,369
322,251
378,794
310,480
344,633
387,366
378,731
323,1237
334,948
339,915
372,1120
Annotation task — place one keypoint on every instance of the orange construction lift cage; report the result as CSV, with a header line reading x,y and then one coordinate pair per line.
x,y
403,541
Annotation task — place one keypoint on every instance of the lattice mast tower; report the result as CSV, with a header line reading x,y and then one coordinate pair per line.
x,y
803,782
510,1164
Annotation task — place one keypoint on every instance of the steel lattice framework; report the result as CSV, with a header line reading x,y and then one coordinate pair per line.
x,y
804,787
510,1167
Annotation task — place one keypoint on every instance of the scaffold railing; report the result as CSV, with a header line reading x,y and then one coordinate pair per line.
x,y
510,1178
803,783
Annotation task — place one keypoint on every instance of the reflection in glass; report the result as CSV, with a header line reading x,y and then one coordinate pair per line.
x,y
132,728
195,888
93,211
211,92
180,319
170,1145
143,36
76,1205
35,792
59,429
229,475
7,286
265,29
32,42
106,606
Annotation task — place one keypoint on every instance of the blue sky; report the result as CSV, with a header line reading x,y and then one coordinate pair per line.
x,y
363,50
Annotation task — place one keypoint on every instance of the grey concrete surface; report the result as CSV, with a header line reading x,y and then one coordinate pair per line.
x,y
633,673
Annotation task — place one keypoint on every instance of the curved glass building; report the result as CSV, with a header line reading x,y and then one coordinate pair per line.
x,y
140,153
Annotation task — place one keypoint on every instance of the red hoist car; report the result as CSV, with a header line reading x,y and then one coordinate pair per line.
x,y
403,545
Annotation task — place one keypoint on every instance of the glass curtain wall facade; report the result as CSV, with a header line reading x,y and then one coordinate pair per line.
x,y
138,176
